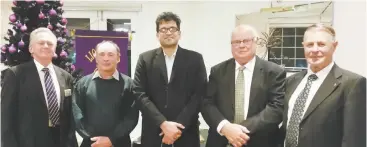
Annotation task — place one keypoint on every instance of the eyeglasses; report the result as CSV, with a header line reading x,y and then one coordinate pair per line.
x,y
245,41
171,29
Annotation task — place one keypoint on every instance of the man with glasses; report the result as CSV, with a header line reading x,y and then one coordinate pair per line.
x,y
170,83
244,100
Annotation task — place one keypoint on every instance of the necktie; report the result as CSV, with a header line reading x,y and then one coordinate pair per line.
x,y
297,114
239,97
53,108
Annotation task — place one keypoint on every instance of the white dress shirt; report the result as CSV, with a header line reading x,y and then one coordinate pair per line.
x,y
314,87
169,63
248,73
54,80
115,75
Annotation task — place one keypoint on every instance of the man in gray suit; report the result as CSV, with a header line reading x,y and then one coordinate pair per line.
x,y
325,106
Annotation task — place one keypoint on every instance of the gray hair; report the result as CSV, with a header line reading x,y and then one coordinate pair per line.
x,y
247,28
34,35
108,42
322,27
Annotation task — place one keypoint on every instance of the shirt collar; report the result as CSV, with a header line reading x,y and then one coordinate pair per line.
x,y
39,66
115,75
174,53
250,65
322,73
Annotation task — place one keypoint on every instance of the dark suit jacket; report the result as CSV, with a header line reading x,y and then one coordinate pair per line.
x,y
24,114
177,100
265,104
336,116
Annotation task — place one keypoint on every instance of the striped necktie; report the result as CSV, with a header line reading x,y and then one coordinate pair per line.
x,y
53,108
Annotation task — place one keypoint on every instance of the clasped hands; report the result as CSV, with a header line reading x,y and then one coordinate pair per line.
x,y
101,141
171,131
236,134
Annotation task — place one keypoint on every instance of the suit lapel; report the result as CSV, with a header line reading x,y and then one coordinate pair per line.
x,y
35,79
61,81
291,85
330,83
256,83
178,63
160,63
230,71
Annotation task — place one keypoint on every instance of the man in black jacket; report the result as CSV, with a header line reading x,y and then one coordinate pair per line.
x,y
170,82
36,99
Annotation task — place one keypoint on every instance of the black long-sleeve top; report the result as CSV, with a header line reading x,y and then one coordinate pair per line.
x,y
104,107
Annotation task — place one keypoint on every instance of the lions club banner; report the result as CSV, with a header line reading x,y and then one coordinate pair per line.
x,y
86,41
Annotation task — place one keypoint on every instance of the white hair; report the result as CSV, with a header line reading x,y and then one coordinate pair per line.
x,y
34,35
247,28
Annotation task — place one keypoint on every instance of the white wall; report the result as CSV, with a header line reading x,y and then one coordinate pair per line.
x,y
350,27
206,27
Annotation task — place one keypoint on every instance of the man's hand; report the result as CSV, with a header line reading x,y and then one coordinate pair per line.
x,y
171,131
236,134
101,141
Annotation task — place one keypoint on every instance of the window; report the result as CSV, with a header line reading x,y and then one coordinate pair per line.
x,y
289,53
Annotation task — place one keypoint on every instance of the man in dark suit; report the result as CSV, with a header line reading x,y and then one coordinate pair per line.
x,y
244,96
36,99
103,102
170,84
325,106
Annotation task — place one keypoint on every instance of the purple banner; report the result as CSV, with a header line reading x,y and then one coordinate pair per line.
x,y
86,41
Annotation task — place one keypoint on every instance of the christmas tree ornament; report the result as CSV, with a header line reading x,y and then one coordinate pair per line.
x,y
64,21
65,30
72,67
23,28
60,40
12,49
40,2
21,44
63,54
52,12
19,24
49,26
12,18
3,48
41,15
61,3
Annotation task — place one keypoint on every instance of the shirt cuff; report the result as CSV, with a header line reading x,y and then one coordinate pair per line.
x,y
221,125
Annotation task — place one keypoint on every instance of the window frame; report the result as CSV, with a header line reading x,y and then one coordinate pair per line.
x,y
291,24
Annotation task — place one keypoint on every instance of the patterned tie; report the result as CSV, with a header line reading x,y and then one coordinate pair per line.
x,y
53,108
297,114
239,97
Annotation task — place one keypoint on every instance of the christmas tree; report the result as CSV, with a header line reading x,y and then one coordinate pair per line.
x,y
29,15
